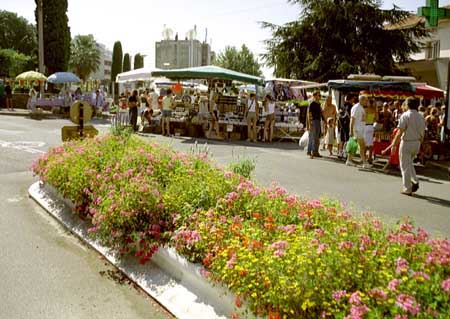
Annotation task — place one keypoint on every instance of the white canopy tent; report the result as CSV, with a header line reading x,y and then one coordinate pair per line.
x,y
142,74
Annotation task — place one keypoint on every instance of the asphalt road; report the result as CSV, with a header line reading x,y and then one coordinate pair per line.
x,y
46,272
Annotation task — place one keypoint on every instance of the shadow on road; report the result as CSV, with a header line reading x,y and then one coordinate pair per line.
x,y
434,200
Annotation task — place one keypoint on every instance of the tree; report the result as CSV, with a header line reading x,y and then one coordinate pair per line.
x,y
238,60
138,61
85,56
126,63
116,66
56,35
334,38
17,34
13,62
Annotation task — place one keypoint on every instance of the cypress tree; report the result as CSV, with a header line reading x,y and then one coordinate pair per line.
x,y
138,61
56,35
126,63
116,66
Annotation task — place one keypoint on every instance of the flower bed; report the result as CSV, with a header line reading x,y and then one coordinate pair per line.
x,y
284,256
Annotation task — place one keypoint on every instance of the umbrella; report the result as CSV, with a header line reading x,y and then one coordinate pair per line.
x,y
31,76
63,77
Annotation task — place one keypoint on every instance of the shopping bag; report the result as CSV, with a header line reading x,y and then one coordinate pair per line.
x,y
352,146
303,142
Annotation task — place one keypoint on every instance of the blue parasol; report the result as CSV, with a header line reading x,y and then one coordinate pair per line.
x,y
63,77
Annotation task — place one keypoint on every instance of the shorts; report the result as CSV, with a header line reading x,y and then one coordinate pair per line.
x,y
368,135
344,134
251,116
166,113
359,133
270,118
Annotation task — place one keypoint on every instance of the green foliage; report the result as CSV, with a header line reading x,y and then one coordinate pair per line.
x,y
56,35
13,63
126,63
138,61
85,56
116,66
239,60
17,34
332,39
243,167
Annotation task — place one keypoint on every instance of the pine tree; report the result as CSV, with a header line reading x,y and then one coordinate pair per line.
x,y
334,38
56,35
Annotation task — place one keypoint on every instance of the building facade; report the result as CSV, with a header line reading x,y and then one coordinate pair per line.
x,y
176,54
431,64
103,72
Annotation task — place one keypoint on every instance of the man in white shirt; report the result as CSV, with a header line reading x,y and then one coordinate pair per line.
x,y
357,127
411,132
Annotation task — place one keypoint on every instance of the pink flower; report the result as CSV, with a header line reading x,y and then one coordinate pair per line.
x,y
228,174
205,273
358,312
345,245
406,227
393,284
281,244
422,235
355,299
377,225
408,303
315,204
290,229
378,294
402,266
230,197
421,275
319,232
338,294
290,200
279,253
231,262
364,242
446,285
322,248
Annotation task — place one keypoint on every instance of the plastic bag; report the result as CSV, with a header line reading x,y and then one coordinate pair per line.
x,y
303,142
352,146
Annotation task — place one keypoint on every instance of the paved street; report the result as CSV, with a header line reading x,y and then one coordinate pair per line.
x,y
46,272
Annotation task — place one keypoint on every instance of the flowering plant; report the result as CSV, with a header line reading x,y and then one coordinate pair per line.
x,y
282,255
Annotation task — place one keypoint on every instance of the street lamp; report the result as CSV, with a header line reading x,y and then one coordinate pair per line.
x,y
41,40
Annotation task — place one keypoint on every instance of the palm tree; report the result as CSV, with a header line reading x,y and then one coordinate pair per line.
x,y
85,55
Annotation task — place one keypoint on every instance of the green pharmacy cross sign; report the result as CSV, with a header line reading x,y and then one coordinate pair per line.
x,y
433,13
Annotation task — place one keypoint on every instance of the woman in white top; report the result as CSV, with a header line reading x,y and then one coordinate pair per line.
x,y
251,113
269,106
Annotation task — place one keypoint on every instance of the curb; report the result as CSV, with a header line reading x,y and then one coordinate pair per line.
x,y
169,278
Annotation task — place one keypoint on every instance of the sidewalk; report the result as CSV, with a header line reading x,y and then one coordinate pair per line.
x,y
27,113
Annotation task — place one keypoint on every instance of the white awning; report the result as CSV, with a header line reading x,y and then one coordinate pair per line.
x,y
142,74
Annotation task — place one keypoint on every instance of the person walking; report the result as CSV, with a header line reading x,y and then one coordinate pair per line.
x,y
167,107
133,109
269,123
252,115
371,119
344,123
313,125
411,132
357,129
329,110
9,98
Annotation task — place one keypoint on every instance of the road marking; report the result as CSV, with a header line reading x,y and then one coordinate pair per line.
x,y
29,147
14,199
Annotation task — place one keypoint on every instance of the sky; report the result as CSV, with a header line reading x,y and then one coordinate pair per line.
x,y
139,23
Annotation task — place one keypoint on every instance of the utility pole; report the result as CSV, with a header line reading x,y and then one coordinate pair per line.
x,y
41,41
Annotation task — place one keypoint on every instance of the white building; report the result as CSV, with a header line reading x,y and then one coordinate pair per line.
x,y
103,72
431,64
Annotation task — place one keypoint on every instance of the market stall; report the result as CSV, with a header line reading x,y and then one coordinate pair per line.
x,y
384,92
230,106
